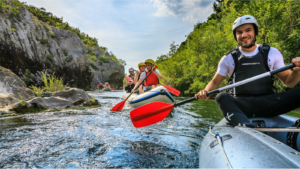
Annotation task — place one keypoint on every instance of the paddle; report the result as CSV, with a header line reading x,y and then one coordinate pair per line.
x,y
111,89
172,90
157,111
119,106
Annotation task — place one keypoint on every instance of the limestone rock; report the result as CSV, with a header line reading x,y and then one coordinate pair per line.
x,y
76,96
29,46
62,99
11,87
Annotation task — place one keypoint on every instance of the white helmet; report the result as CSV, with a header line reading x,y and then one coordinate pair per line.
x,y
244,20
131,69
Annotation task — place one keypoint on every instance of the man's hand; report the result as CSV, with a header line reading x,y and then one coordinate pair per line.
x,y
137,72
202,95
133,91
296,61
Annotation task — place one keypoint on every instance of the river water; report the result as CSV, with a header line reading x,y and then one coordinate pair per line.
x,y
96,137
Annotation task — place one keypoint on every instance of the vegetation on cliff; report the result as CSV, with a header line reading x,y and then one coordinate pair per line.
x,y
190,66
90,42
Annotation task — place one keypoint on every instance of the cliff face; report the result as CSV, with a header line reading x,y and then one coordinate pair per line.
x,y
29,46
110,72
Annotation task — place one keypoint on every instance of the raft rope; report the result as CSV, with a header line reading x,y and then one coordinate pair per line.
x,y
217,136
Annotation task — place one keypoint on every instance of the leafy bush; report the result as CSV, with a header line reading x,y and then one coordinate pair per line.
x,y
22,100
93,65
69,59
52,83
12,29
10,8
65,51
93,57
49,57
38,91
26,80
103,59
52,35
44,41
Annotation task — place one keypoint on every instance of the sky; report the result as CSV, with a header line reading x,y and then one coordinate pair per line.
x,y
134,30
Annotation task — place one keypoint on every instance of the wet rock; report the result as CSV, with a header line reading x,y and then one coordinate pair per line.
x,y
61,99
74,95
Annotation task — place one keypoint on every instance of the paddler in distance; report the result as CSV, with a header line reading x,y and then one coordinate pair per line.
x,y
142,68
130,80
257,98
153,79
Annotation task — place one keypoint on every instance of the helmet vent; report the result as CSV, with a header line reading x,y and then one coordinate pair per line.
x,y
234,23
248,18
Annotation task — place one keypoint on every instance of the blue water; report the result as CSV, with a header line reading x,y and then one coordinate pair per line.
x,y
96,137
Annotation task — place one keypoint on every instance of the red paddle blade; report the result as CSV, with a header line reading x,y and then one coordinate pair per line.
x,y
112,89
150,114
172,90
119,106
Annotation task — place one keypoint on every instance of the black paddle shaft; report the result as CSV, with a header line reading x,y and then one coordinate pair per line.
x,y
140,83
273,72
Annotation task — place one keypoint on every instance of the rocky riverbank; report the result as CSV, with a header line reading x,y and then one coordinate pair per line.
x,y
16,98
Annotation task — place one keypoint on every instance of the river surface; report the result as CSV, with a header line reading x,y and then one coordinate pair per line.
x,y
96,137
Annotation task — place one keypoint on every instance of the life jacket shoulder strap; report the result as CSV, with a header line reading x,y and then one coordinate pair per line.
x,y
264,49
235,54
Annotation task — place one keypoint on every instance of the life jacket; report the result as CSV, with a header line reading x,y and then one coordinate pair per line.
x,y
130,87
107,85
247,67
152,79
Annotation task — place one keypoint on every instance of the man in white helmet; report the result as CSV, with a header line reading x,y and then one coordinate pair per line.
x,y
257,98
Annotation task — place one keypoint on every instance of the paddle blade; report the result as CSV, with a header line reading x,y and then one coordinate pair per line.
x,y
119,106
99,84
172,90
150,114
111,89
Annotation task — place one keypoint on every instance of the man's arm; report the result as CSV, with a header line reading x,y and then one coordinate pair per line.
x,y
291,78
212,85
128,81
141,79
157,74
136,77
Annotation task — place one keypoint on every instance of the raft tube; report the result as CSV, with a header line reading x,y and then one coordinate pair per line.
x,y
247,148
158,94
106,89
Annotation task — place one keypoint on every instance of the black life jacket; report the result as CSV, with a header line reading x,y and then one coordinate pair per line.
x,y
129,87
247,67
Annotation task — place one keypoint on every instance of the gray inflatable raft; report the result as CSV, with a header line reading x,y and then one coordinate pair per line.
x,y
244,147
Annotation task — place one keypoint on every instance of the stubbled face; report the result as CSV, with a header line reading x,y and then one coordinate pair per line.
x,y
142,68
148,66
245,35
131,72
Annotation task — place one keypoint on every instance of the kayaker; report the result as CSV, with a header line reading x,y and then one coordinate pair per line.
x,y
153,79
142,68
130,81
255,99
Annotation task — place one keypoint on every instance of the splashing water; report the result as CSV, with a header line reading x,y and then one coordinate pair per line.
x,y
96,137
